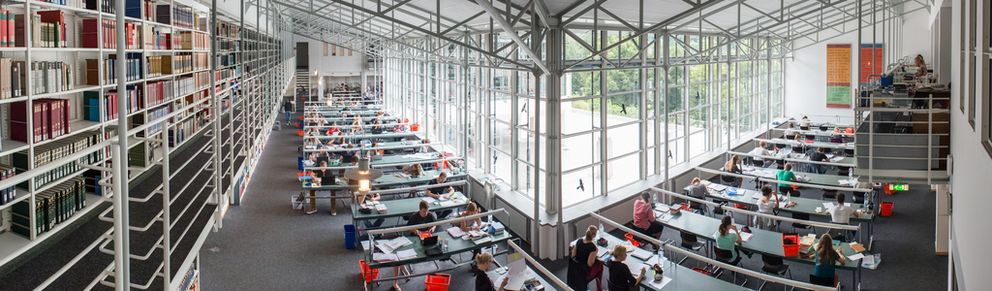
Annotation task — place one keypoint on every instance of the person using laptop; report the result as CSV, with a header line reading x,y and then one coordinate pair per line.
x,y
424,215
483,261
620,277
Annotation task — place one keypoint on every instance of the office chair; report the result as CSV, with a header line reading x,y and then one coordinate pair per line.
x,y
774,266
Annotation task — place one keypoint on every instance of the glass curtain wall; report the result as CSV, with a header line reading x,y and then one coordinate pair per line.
x,y
716,94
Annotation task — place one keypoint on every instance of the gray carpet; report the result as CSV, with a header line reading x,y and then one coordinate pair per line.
x,y
265,245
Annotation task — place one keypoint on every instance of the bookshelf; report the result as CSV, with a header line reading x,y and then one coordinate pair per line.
x,y
188,76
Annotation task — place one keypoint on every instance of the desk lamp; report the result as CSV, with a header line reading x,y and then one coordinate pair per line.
x,y
364,174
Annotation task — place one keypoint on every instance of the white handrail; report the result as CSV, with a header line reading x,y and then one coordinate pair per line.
x,y
540,268
791,159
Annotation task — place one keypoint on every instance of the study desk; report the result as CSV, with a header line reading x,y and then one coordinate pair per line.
x,y
390,145
364,125
809,144
397,160
496,278
403,208
802,205
390,181
348,120
786,154
807,206
682,278
761,242
808,178
344,113
455,246
369,136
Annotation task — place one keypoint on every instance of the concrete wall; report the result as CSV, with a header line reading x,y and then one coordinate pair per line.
x,y
969,183
805,77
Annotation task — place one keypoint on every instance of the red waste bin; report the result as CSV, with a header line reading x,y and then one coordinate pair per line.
x,y
886,209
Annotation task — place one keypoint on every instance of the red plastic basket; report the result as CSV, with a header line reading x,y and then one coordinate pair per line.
x,y
885,209
368,274
790,245
437,282
632,239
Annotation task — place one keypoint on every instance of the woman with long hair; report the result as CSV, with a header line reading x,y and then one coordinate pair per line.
x,y
826,259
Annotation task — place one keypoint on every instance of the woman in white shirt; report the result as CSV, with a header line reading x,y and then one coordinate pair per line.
x,y
804,123
766,205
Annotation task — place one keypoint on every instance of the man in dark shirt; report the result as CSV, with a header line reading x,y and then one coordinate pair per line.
x,y
287,109
441,192
819,156
421,217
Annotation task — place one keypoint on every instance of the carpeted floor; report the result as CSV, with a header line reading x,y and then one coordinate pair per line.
x,y
266,245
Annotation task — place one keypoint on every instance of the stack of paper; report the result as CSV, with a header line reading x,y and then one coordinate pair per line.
x,y
429,199
482,240
746,236
456,232
406,254
383,257
381,208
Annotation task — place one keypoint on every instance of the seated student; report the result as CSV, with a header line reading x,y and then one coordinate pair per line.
x,y
790,131
414,170
377,126
697,189
483,261
840,213
311,160
760,150
733,165
644,221
804,123
826,259
472,224
440,192
620,277
819,155
333,129
583,266
836,136
767,205
361,198
728,239
424,215
786,174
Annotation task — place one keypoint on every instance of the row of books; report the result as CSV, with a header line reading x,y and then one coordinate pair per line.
x,y
52,206
51,152
91,28
7,35
191,40
155,38
69,3
8,194
185,129
190,84
51,77
47,29
91,181
108,68
154,115
10,78
224,74
50,118
159,65
178,16
43,179
227,29
91,103
133,8
224,60
188,62
157,92
104,5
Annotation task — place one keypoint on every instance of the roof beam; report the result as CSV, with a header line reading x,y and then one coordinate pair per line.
x,y
513,35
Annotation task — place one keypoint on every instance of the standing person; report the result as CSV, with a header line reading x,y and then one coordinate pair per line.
x,y
620,277
483,261
826,258
644,221
327,178
583,267
287,109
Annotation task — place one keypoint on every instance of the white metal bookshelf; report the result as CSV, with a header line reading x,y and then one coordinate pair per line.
x,y
253,79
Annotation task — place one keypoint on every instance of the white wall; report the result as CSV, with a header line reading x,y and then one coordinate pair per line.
x,y
969,185
805,72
